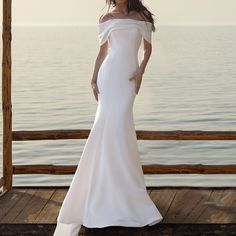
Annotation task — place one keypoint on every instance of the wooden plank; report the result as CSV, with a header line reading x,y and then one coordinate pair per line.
x,y
51,210
163,230
19,206
197,209
9,200
6,94
26,230
147,169
208,212
2,181
34,206
177,203
158,230
163,198
190,200
141,134
225,208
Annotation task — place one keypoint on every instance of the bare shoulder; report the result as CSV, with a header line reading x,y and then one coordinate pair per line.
x,y
105,17
140,15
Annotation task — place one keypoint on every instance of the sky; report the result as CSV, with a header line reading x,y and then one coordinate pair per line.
x,y
85,12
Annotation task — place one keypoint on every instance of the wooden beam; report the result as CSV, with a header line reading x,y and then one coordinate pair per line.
x,y
147,169
141,134
2,181
6,95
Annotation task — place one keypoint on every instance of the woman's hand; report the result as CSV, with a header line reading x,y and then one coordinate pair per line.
x,y
95,89
138,75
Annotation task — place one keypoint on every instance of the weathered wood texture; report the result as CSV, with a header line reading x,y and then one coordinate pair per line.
x,y
1,182
177,205
147,169
6,95
161,229
141,134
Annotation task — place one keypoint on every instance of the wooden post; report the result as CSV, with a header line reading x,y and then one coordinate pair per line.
x,y
6,95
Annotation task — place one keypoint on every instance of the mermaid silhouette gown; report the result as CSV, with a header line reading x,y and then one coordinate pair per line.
x,y
108,187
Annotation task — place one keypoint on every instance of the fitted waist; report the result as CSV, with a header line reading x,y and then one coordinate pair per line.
x,y
121,60
123,55
115,63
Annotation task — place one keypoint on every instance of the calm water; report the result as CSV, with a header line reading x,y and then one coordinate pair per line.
x,y
189,84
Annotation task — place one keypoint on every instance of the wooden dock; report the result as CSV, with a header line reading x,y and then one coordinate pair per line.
x,y
35,209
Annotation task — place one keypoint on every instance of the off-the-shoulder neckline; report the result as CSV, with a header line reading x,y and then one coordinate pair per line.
x,y
142,21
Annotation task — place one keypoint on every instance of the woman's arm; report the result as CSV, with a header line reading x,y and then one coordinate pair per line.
x,y
100,58
139,73
147,51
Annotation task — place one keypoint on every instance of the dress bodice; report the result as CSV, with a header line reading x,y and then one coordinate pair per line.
x,y
130,31
124,38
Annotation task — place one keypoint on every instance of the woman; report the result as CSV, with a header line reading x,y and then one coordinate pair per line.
x,y
108,187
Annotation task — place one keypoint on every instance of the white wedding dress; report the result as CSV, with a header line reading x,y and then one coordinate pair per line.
x,y
108,187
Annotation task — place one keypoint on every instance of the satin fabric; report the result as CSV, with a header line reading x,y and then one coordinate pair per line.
x,y
108,187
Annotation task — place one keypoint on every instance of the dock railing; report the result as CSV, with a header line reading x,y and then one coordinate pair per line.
x,y
9,135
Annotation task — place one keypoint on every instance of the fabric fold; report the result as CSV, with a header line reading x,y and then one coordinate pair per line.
x,y
105,28
146,31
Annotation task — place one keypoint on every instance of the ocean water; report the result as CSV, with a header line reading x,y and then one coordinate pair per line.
x,y
189,84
